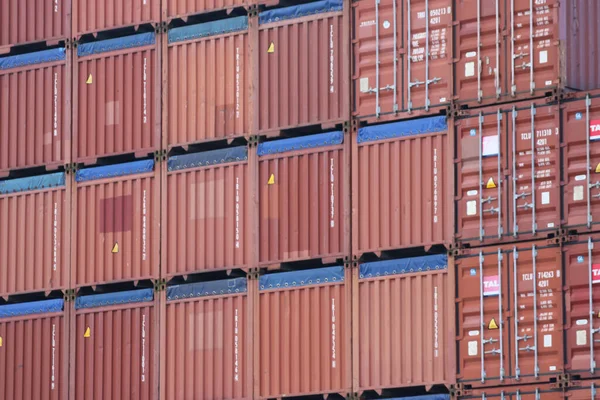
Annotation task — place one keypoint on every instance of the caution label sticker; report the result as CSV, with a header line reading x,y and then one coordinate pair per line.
x,y
1,341
87,333
597,170
271,180
271,48
491,285
493,324
89,80
115,248
595,129
490,184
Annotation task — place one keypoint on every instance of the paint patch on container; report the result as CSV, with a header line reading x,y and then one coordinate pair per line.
x,y
471,207
470,69
547,340
116,214
543,56
581,338
578,193
472,347
364,85
545,197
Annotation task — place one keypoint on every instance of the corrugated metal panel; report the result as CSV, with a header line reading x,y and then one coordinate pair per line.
x,y
393,353
303,64
208,100
304,333
34,352
208,211
587,390
95,16
402,174
35,84
183,8
35,235
27,21
533,392
116,109
115,227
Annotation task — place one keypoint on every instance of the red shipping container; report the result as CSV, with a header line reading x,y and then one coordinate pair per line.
x,y
114,346
208,81
207,345
185,8
34,351
303,66
394,73
35,84
36,216
96,16
496,170
584,390
402,180
208,212
303,199
389,352
117,107
521,392
116,223
303,333
509,333
28,21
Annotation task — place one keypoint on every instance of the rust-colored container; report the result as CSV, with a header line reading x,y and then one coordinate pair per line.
x,y
34,351
584,390
208,81
185,8
114,346
404,327
35,84
97,16
207,346
402,183
303,66
116,108
521,392
115,228
36,215
208,211
509,333
303,203
28,21
496,169
397,70
303,333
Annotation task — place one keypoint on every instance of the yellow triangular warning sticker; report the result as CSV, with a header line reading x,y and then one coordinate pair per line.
x,y
490,184
271,48
271,180
89,80
88,332
0,341
493,324
598,168
115,248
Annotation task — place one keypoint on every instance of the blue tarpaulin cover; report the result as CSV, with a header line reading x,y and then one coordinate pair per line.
x,y
315,7
220,156
402,128
404,266
38,57
201,289
127,42
301,143
111,299
32,183
111,171
34,307
302,278
208,29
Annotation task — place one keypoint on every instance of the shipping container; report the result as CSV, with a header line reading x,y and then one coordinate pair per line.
x,y
520,392
34,232
404,325
208,212
303,66
184,8
37,84
396,75
510,314
117,88
28,21
115,224
34,350
496,169
114,346
402,176
303,198
303,333
207,345
584,390
208,82
97,16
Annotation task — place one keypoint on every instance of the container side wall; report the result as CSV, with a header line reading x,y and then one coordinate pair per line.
x,y
26,21
95,16
183,8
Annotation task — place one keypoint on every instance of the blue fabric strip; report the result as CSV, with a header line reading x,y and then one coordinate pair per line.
x,y
301,143
111,171
111,299
32,183
208,29
38,57
316,7
404,266
127,42
202,289
34,307
305,277
214,157
402,128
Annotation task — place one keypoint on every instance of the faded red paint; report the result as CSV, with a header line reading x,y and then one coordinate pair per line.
x,y
185,8
96,16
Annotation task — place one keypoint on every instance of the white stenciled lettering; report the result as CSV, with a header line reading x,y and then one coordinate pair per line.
x,y
370,22
436,343
331,60
55,237
143,348
52,378
237,212
333,355
145,90
144,226
55,117
236,365
332,194
435,186
237,82
55,6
